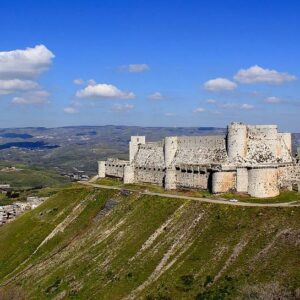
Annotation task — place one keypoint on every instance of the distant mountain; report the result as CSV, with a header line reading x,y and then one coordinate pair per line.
x,y
81,146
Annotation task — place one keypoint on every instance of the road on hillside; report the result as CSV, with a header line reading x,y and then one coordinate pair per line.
x,y
215,201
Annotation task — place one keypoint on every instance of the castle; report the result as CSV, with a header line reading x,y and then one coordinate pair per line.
x,y
253,159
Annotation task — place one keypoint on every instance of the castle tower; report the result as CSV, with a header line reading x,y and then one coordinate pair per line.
x,y
269,134
285,147
101,169
263,182
134,146
236,141
171,143
128,174
170,179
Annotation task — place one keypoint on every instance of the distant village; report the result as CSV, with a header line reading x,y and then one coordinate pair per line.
x,y
11,211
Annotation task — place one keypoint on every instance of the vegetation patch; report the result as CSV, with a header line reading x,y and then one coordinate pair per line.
x,y
149,247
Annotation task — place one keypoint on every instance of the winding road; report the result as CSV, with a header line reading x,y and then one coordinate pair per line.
x,y
207,200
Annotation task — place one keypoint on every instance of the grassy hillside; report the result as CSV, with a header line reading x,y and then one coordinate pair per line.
x,y
86,243
29,176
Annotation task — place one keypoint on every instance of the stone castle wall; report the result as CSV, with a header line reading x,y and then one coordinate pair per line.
x,y
200,150
192,177
263,182
150,155
149,175
249,159
115,167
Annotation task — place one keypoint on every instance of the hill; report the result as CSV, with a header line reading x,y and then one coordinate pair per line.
x,y
79,147
24,176
86,243
65,148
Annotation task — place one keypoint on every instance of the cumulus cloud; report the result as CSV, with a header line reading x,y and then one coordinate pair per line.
x,y
135,68
199,110
32,98
156,96
10,86
247,106
70,110
257,74
26,63
103,91
122,107
219,84
272,100
78,81
18,71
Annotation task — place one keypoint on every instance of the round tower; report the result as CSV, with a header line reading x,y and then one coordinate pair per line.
x,y
263,182
223,181
236,141
170,148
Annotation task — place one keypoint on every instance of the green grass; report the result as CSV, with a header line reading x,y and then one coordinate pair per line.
x,y
285,196
109,181
30,176
101,256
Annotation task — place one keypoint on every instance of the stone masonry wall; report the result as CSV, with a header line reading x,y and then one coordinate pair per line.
x,y
190,179
150,155
288,175
200,150
115,167
263,182
149,175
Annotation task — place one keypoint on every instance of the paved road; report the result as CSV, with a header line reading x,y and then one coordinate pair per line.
x,y
217,201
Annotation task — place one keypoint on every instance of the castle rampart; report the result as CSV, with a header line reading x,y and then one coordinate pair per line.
x,y
249,159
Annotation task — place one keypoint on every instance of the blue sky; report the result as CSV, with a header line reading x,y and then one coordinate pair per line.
x,y
149,63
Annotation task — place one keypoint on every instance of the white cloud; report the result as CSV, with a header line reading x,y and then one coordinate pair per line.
x,y
32,98
257,74
27,63
135,68
78,81
70,110
91,82
199,110
170,114
211,101
156,96
231,105
219,84
103,91
122,107
272,100
10,86
246,106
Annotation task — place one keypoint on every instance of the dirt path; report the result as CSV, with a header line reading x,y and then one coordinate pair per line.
x,y
207,200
